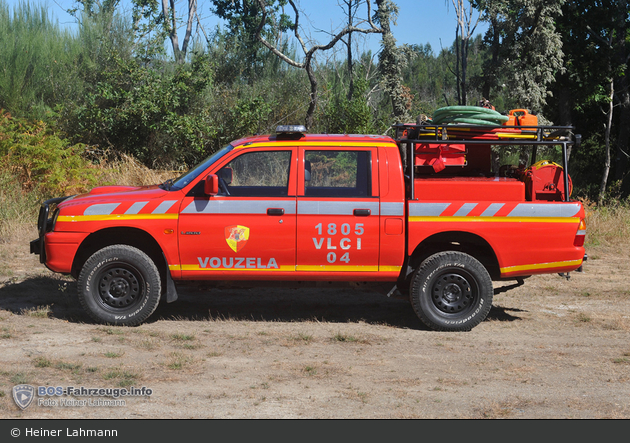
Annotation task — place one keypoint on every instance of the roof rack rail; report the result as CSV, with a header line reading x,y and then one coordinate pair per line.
x,y
478,134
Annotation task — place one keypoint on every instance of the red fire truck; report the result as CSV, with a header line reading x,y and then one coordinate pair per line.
x,y
427,214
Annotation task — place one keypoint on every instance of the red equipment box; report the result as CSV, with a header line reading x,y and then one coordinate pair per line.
x,y
498,189
440,155
545,181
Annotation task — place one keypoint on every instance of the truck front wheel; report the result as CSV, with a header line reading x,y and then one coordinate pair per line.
x,y
119,285
451,291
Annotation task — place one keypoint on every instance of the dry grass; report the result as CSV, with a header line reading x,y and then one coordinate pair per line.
x,y
178,361
508,408
38,312
129,171
607,226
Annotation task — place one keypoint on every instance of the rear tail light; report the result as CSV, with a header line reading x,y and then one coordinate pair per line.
x,y
580,234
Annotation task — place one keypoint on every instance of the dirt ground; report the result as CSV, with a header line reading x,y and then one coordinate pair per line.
x,y
551,348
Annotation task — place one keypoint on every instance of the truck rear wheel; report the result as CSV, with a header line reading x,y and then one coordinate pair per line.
x,y
451,291
119,285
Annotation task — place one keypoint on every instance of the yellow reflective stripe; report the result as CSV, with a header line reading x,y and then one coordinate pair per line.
x,y
389,268
336,268
557,264
443,219
77,218
199,268
289,143
174,267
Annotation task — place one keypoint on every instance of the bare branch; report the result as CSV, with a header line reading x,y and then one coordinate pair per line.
x,y
201,26
192,11
297,26
271,47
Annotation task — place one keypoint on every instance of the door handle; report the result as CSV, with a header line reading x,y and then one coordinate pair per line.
x,y
275,211
361,212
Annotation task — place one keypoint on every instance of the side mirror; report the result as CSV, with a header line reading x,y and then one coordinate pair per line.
x,y
211,185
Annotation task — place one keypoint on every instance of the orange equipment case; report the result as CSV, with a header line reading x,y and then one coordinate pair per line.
x,y
521,117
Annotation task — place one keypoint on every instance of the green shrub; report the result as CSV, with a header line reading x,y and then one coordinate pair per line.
x,y
151,112
41,161
348,116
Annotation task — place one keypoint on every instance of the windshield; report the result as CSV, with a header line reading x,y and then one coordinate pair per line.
x,y
195,172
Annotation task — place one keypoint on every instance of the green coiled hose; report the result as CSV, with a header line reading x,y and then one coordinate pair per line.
x,y
474,115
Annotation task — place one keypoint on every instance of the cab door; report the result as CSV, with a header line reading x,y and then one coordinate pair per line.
x,y
249,228
337,210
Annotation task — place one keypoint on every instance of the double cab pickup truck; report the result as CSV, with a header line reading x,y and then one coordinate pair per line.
x,y
426,214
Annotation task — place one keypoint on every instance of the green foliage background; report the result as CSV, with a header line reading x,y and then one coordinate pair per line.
x,y
69,99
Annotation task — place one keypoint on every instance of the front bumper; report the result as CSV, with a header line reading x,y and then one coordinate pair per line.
x,y
61,249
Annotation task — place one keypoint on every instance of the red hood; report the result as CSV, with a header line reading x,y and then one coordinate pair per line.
x,y
104,194
112,189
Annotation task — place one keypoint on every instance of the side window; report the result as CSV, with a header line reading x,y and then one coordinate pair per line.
x,y
256,174
337,174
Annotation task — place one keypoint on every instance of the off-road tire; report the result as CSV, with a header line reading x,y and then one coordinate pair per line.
x,y
119,285
451,291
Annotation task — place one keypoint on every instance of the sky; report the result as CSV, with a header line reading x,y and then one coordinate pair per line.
x,y
419,22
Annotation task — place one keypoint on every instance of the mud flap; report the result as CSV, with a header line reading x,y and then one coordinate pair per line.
x,y
171,290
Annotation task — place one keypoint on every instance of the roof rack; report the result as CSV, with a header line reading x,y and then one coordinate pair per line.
x,y
408,135
476,134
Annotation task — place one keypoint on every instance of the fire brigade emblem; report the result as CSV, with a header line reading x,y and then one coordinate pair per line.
x,y
236,237
23,395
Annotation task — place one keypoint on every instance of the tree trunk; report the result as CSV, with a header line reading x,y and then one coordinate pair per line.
x,y
602,186
389,64
350,75
312,105
170,23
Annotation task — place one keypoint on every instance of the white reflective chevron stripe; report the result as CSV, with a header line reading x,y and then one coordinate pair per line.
x,y
465,209
164,206
135,208
492,209
101,209
316,207
221,206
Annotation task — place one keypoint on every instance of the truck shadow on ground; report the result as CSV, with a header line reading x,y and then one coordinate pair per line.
x,y
57,296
